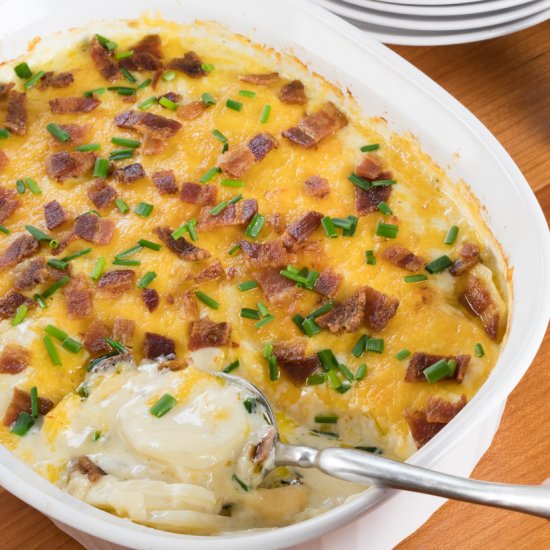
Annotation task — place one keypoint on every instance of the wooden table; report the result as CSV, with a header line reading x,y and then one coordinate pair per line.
x,y
506,83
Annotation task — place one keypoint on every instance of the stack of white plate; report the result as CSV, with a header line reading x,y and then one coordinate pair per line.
x,y
438,22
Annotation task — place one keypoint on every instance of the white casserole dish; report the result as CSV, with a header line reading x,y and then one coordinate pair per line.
x,y
385,85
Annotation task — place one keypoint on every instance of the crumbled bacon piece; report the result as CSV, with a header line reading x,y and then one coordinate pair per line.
x,y
117,281
79,297
213,271
85,466
94,229
379,309
190,64
276,288
346,316
14,359
150,298
271,254
16,117
4,160
261,144
147,55
77,134
293,93
469,256
54,215
478,299
238,160
328,283
317,187
156,345
101,194
153,126
19,249
442,411
421,430
65,238
33,272
153,146
367,201
263,450
204,333
103,60
202,195
94,338
404,258
11,301
264,79
59,80
63,105
129,173
239,213
21,402
165,182
64,165
9,203
181,247
191,110
419,362
277,222
292,361
190,305
175,364
370,167
292,350
123,331
301,229
172,96
5,88
315,127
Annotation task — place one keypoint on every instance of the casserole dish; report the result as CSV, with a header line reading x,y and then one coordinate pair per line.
x,y
469,139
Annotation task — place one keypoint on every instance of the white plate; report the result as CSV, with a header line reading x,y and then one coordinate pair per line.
x,y
434,11
431,2
438,24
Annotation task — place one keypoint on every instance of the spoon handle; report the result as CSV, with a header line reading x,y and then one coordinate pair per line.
x,y
362,467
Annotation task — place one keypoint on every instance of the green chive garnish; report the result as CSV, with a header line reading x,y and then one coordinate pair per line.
x,y
208,99
163,405
316,379
247,285
333,379
147,279
52,352
369,257
129,252
267,319
146,103
326,419
168,104
439,370
20,186
96,91
124,55
219,136
247,93
149,244
359,347
58,264
106,43
234,249
127,262
33,80
479,351
383,183
128,76
415,278
402,354
98,268
311,328
248,313
438,265
235,199
55,287
387,230
169,76
205,299
23,424
264,115
122,206
327,358
122,90
255,226
241,483
329,228
40,301
144,84
262,308
4,229
360,182
4,133
125,142
71,345
205,178
233,183
325,308
371,147
384,208
57,132
361,372
38,234
144,209
219,208
207,67
101,168
76,255
121,154
33,186
35,405
451,235
115,345
88,147
298,320
235,105
232,366
56,332
273,368
375,344
20,315
346,372
23,70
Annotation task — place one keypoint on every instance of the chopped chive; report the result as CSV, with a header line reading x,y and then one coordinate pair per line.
x,y
33,80
415,278
144,209
350,231
144,84
437,371
344,387
264,115
344,223
451,235
247,285
315,379
163,405
402,354
361,372
180,231
387,230
38,234
205,299
122,90
250,404
262,308
219,208
232,366
33,186
147,103
55,287
40,301
375,344
233,183
235,105
58,264
255,226
267,319
329,228
359,347
326,419
293,277
273,368
57,132
234,249
23,424
219,136
235,199
98,268
101,168
371,147
241,483
53,243
298,320
122,206
23,70
168,103
50,348
149,244
4,229
438,265
124,55
71,345
20,186
35,405
88,147
191,228
115,345
323,433
360,182
268,350
147,279
127,262
96,436
96,91
370,259
207,67
208,99
129,252
383,183
249,313
327,358
384,208
205,178
247,93
333,379
20,315
106,43
325,308
168,76
129,77
125,142
4,133
346,372
121,154
452,364
311,328
479,351
56,332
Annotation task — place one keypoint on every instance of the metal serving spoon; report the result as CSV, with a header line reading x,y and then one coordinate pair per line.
x,y
362,467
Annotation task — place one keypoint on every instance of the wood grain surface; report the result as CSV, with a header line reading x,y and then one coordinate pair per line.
x,y
506,83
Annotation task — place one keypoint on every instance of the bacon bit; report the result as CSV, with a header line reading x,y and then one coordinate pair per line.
x,y
328,283
156,78
239,213
79,297
317,187
421,430
175,365
156,345
264,79
367,201
172,96
370,167
153,126
190,64
477,298
21,248
16,117
85,466
165,182
9,202
103,60
61,166
301,229
404,258
275,287
117,281
292,350
265,446
65,238
14,359
59,80
94,338
293,93
11,301
204,333
4,160
94,229
261,144
147,55
181,247
123,331
271,254
21,402
291,358
151,44
202,195
191,110
150,298
379,309
77,134
277,222
190,305
213,271
101,194
315,127
5,89
237,161
32,273
130,173
441,411
346,316
63,105
419,362
153,146
469,256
